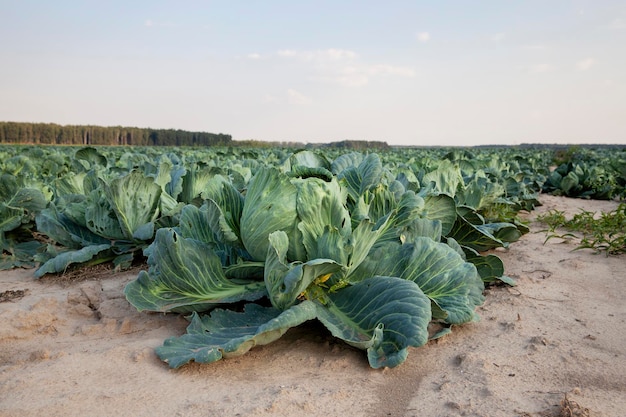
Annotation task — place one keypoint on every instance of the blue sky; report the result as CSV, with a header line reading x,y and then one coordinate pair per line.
x,y
405,72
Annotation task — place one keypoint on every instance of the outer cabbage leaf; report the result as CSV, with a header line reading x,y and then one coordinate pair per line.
x,y
195,182
441,273
321,210
18,205
10,218
506,232
447,178
490,267
443,208
352,159
228,202
310,172
424,228
29,199
100,217
135,200
195,223
270,205
307,159
364,237
63,230
214,224
60,262
91,156
384,315
366,177
227,333
453,284
484,237
71,183
186,275
18,254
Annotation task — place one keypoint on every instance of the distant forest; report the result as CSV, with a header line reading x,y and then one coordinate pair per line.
x,y
54,134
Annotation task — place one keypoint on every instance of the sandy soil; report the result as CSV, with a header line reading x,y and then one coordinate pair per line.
x,y
555,345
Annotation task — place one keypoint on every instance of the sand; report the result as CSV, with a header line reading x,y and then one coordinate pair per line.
x,y
554,345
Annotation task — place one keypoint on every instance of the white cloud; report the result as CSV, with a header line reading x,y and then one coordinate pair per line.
x,y
384,69
498,37
295,97
287,53
360,75
148,23
423,37
332,54
348,77
340,54
540,68
343,67
254,55
269,98
585,64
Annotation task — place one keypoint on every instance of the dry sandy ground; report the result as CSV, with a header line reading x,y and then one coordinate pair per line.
x,y
555,345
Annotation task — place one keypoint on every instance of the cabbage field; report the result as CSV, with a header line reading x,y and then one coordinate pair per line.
x,y
250,242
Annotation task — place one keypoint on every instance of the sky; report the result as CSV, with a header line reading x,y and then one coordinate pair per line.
x,y
454,73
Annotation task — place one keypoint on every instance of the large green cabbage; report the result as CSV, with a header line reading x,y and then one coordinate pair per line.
x,y
372,282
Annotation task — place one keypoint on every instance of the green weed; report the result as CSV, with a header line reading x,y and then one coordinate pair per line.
x,y
603,232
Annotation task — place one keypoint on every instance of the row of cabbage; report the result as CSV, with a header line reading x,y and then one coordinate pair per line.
x,y
375,246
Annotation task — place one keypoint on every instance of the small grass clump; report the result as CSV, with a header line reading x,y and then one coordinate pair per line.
x,y
605,232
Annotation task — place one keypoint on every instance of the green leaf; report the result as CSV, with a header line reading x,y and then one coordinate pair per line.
x,y
479,237
270,205
447,178
100,217
10,218
322,212
135,200
364,237
18,203
505,232
65,231
385,315
60,262
308,159
144,232
490,267
443,208
422,228
92,156
195,182
453,284
195,223
211,225
19,254
227,333
440,272
186,275
286,282
347,160
571,184
364,177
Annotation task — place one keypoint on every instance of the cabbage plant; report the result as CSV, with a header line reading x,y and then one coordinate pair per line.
x,y
354,250
95,220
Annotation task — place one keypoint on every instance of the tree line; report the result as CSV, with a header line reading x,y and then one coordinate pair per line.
x,y
54,134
